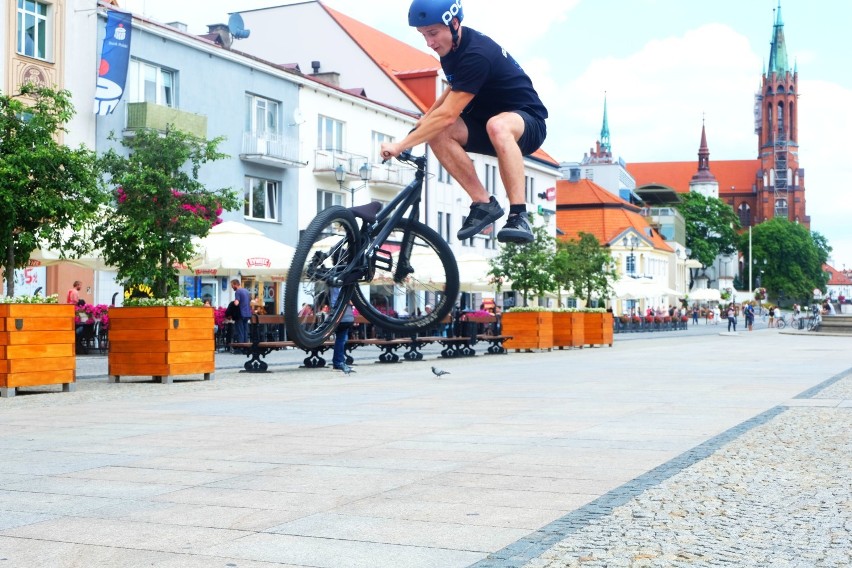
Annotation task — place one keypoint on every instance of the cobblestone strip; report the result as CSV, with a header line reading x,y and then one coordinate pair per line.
x,y
772,491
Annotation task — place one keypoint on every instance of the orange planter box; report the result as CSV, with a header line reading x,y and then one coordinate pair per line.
x,y
529,330
568,329
161,342
36,346
598,328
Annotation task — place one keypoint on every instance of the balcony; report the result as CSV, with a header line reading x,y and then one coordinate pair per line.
x,y
159,117
271,150
391,175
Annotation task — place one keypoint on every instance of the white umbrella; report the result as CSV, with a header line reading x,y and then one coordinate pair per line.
x,y
50,257
231,248
705,295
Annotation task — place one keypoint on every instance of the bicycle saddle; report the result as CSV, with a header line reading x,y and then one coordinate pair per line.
x,y
367,212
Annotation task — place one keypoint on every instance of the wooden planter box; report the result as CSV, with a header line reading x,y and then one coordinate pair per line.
x,y
529,330
568,329
36,346
598,328
161,342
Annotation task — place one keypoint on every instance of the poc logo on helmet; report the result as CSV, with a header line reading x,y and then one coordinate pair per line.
x,y
454,10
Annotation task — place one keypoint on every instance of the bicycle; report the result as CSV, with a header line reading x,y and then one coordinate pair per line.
x,y
389,248
814,321
781,322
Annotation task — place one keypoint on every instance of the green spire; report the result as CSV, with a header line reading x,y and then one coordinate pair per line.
x,y
778,52
605,145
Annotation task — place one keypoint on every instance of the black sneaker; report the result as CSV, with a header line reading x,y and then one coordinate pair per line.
x,y
516,230
481,215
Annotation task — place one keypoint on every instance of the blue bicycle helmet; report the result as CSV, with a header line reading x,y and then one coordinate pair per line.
x,y
429,12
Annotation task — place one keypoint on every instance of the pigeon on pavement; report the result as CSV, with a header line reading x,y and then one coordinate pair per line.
x,y
438,372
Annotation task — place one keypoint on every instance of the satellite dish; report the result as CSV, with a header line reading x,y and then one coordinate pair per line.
x,y
237,27
298,117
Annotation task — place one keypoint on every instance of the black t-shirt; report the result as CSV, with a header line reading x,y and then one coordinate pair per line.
x,y
484,69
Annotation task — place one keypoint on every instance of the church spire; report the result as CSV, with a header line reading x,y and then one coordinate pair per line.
x,y
703,175
605,144
778,62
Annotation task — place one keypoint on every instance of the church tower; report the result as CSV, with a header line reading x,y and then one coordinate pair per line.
x,y
781,182
704,182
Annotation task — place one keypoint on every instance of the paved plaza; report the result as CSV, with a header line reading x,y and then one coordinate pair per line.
x,y
696,448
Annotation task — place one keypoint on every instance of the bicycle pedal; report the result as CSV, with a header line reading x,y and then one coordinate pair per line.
x,y
383,259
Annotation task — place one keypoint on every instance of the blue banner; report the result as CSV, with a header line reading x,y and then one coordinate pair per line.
x,y
115,56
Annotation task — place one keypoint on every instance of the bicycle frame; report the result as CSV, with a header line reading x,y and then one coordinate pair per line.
x,y
407,199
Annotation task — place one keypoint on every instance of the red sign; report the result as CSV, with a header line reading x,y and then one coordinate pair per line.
x,y
205,272
550,193
258,262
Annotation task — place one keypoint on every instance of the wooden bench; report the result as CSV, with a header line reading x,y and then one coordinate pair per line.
x,y
492,334
260,346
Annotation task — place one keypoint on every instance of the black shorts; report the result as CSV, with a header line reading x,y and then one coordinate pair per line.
x,y
478,141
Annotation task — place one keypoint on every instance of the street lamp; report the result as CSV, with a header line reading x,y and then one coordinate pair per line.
x,y
633,243
365,171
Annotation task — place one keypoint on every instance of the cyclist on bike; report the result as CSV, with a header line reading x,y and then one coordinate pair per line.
x,y
490,108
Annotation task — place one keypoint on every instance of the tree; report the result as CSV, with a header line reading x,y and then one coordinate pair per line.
x,y
711,227
47,190
793,258
160,206
584,266
527,266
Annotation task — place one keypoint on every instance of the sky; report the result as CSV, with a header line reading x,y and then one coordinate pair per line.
x,y
664,66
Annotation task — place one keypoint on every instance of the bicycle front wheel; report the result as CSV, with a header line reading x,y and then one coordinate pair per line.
x,y
312,307
425,284
781,324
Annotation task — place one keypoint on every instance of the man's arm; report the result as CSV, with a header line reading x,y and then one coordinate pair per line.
x,y
435,121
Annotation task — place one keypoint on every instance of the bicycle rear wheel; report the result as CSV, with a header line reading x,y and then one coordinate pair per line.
x,y
312,309
781,324
429,277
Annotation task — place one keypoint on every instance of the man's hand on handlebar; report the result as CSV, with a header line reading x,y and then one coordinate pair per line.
x,y
391,150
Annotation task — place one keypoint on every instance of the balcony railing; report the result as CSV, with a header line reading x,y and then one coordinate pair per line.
x,y
271,149
394,174
158,117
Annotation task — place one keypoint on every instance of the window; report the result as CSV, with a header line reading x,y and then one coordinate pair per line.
x,y
443,175
33,29
326,199
262,116
329,134
449,226
529,189
378,140
441,225
781,208
261,199
149,83
631,264
491,179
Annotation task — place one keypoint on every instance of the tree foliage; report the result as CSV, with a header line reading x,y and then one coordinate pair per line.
x,y
159,206
793,258
585,267
711,227
48,191
527,266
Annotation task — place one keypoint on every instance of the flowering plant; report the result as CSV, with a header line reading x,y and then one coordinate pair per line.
x,y
760,294
52,299
477,314
160,207
99,312
174,301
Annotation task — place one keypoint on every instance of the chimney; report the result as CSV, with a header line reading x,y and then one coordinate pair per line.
x,y
330,77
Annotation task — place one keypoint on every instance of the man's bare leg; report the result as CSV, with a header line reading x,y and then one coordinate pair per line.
x,y
505,130
447,147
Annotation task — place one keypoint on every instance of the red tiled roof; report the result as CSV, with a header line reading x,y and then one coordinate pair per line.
x,y
586,207
836,278
392,56
737,174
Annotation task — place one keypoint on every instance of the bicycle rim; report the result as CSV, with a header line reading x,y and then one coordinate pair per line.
x,y
427,292
312,307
